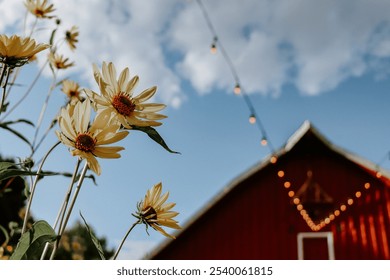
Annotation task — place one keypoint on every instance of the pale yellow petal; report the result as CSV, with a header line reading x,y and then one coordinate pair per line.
x,y
150,107
132,84
108,152
112,139
146,94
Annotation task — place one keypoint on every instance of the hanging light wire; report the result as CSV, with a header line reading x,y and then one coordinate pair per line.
x,y
238,89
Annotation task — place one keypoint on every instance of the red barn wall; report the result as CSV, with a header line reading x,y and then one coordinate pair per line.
x,y
257,219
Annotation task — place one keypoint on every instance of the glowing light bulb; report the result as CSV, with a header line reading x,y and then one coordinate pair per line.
x,y
358,194
237,89
273,159
291,193
343,207
287,184
281,173
264,141
252,119
367,186
350,201
213,48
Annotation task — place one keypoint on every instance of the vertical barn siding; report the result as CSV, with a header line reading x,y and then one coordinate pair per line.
x,y
257,220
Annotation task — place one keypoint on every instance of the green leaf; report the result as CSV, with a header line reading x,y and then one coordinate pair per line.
x,y
24,139
9,169
53,33
95,241
19,121
67,174
6,235
153,134
32,242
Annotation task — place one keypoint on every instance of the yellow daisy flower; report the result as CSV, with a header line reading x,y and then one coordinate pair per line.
x,y
71,37
117,98
40,9
153,212
15,51
72,91
59,62
89,142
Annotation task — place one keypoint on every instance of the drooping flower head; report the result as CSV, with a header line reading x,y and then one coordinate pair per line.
x,y
89,141
154,212
15,51
58,61
40,9
72,91
71,37
117,98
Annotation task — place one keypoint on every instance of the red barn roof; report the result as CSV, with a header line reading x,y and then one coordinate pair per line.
x,y
311,199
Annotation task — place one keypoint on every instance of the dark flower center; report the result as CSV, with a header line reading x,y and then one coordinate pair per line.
x,y
73,93
84,142
39,12
149,213
123,104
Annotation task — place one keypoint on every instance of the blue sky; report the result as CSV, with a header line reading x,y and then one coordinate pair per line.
x,y
323,61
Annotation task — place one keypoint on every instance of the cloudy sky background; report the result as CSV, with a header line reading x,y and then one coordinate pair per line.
x,y
326,61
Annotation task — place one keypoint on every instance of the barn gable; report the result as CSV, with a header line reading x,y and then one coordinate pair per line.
x,y
309,187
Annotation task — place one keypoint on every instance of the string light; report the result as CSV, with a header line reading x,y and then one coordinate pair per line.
x,y
213,48
252,119
316,226
358,194
238,89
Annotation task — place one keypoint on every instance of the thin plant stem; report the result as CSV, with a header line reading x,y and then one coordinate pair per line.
x,y
33,27
64,223
61,212
4,72
43,110
27,92
32,190
53,122
16,73
124,239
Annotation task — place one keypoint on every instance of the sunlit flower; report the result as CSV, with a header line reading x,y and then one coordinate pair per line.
x,y
40,9
16,51
117,98
59,62
72,91
89,141
71,37
153,212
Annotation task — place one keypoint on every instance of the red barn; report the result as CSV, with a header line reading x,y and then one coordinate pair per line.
x,y
310,200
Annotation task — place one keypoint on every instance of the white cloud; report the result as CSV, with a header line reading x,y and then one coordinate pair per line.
x,y
328,42
314,45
